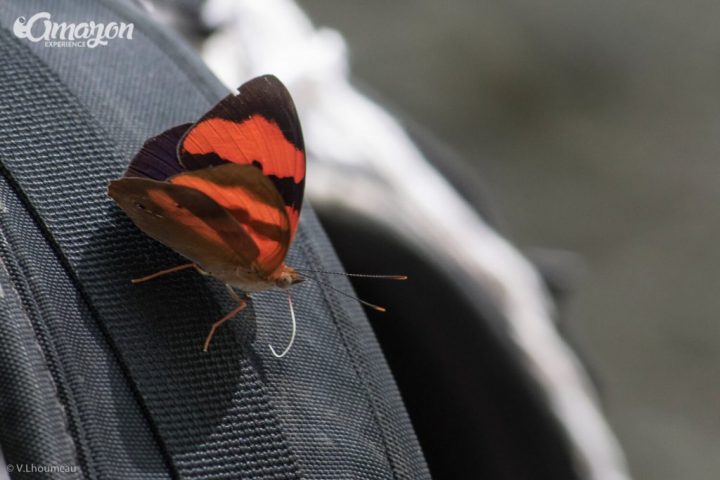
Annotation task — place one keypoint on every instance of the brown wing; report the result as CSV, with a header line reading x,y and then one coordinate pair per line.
x,y
253,201
186,220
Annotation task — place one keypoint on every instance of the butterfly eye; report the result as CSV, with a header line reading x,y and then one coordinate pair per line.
x,y
283,280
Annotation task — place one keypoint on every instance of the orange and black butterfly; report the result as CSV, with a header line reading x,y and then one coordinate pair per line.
x,y
225,192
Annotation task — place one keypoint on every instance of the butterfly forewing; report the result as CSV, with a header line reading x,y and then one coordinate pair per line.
x,y
259,126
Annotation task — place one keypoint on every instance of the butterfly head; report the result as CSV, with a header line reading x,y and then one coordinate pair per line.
x,y
287,277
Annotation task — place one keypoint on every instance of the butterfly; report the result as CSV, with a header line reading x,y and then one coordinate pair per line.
x,y
226,193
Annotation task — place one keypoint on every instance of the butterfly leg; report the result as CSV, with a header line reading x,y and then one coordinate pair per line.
x,y
240,307
184,266
234,294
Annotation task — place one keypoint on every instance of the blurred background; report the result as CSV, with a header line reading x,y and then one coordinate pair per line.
x,y
594,127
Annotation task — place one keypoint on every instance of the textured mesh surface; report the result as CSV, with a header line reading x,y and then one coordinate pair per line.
x,y
120,384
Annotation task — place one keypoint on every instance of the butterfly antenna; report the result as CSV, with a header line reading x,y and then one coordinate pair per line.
x,y
357,275
294,331
368,304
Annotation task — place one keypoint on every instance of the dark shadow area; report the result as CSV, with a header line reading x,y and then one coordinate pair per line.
x,y
473,407
157,329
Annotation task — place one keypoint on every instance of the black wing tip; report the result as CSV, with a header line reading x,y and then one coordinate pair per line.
x,y
265,95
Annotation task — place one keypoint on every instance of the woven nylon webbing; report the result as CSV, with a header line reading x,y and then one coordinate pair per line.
x,y
59,162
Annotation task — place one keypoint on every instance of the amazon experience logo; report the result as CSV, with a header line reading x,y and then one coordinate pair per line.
x,y
40,28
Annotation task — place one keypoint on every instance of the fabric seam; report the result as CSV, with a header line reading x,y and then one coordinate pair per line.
x,y
310,252
27,303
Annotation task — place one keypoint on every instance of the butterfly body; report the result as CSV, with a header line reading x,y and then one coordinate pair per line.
x,y
249,280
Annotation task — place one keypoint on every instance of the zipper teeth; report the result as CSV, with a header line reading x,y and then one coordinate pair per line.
x,y
23,288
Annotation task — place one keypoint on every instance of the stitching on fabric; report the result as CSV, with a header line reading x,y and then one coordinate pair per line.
x,y
308,250
5,257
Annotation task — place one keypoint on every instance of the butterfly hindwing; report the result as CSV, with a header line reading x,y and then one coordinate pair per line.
x,y
186,220
253,201
258,126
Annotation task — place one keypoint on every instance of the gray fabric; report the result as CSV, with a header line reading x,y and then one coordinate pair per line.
x,y
127,392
